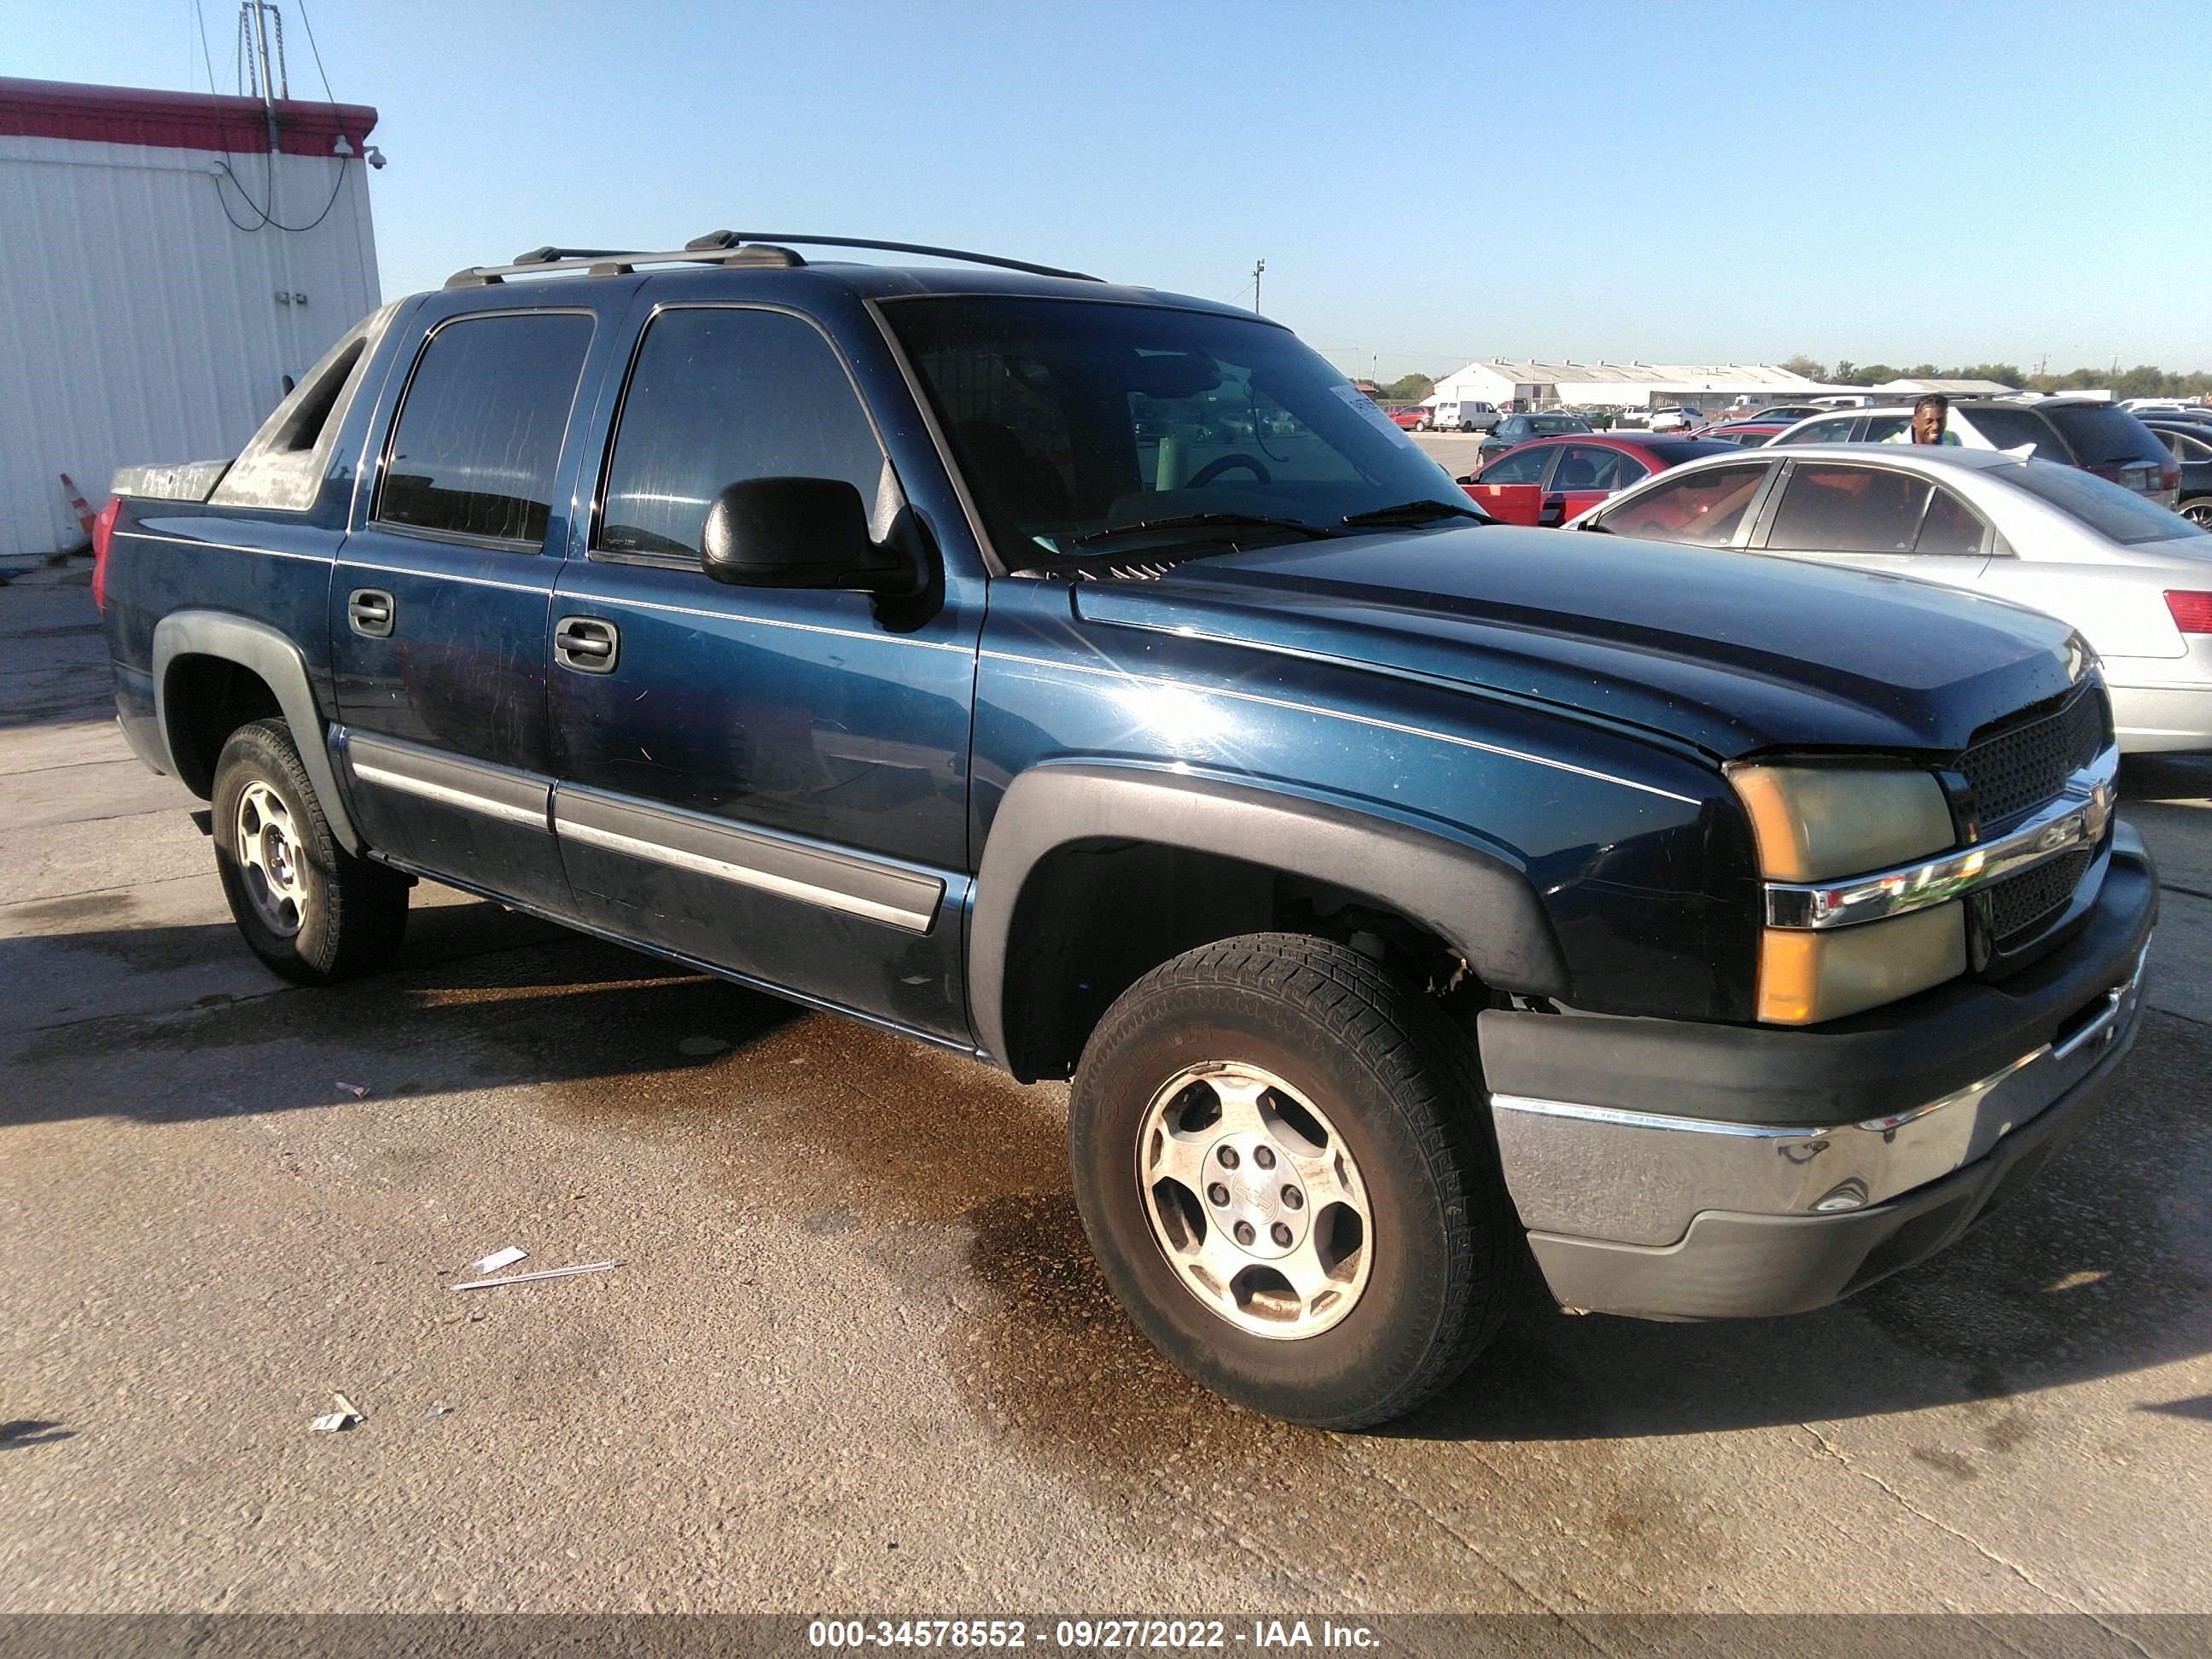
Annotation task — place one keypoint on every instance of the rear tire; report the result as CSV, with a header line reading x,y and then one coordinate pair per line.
x,y
1355,1247
308,909
2198,511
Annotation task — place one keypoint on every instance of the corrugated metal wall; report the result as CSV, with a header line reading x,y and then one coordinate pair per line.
x,y
138,323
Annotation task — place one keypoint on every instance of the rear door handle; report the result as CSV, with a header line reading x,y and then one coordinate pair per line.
x,y
586,644
370,612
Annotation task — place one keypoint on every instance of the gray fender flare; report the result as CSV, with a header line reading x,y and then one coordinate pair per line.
x,y
1476,901
270,653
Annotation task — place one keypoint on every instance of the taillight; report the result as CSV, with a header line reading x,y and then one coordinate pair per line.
x,y
2192,612
103,532
2169,476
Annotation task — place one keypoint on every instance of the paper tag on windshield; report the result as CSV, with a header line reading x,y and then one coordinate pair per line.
x,y
1367,406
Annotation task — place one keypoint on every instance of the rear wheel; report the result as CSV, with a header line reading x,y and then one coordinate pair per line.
x,y
2198,511
308,909
1280,1163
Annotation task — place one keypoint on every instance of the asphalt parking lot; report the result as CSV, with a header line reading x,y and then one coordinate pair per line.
x,y
856,1356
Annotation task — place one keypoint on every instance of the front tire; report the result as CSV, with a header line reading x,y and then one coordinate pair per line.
x,y
308,909
1278,1160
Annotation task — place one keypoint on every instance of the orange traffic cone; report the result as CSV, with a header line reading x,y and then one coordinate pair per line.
x,y
84,513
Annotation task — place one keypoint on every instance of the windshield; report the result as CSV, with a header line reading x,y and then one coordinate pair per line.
x,y
2112,511
1077,422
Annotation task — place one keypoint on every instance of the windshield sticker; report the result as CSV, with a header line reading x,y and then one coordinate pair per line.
x,y
1367,406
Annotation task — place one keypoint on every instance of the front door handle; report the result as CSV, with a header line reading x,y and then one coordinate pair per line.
x,y
586,644
370,612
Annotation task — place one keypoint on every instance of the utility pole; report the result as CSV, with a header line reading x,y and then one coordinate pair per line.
x,y
1258,265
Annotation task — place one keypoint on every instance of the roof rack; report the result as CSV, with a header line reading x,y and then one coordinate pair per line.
x,y
611,262
722,247
719,239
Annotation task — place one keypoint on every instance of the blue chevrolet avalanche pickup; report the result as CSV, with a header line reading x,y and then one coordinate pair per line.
x,y
1091,680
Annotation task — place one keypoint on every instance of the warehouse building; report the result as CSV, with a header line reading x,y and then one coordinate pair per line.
x,y
168,260
1500,381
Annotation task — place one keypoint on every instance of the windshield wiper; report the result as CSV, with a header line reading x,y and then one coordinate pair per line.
x,y
1419,512
1203,521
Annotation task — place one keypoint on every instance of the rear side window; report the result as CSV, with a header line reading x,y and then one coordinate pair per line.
x,y
2104,434
2009,429
479,435
1587,466
1950,527
720,396
1704,507
1879,428
1848,509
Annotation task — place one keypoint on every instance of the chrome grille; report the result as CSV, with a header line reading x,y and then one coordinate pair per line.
x,y
2018,770
2021,904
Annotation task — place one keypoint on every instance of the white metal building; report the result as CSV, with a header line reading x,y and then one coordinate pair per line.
x,y
163,267
1911,388
1709,386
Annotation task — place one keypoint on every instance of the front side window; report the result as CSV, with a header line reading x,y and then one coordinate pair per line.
x,y
1848,509
718,396
1089,428
1834,431
1704,507
2010,428
1523,466
479,439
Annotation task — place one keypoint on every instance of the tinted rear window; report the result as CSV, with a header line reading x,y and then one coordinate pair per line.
x,y
2105,507
1553,423
2103,435
479,435
1673,452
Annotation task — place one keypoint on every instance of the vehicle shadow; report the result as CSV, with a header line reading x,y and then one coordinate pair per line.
x,y
481,999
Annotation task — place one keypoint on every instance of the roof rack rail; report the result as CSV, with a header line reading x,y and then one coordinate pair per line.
x,y
611,262
722,238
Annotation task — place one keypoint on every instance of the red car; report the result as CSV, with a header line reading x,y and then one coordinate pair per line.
x,y
1415,419
1547,480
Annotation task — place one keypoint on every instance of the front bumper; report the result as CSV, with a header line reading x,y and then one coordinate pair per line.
x,y
1676,1170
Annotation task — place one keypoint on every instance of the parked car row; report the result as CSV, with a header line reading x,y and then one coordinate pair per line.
x,y
2059,503
2090,432
2133,577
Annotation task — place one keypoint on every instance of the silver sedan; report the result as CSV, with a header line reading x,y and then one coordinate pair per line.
x,y
2133,577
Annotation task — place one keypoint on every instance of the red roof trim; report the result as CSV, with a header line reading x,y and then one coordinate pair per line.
x,y
176,121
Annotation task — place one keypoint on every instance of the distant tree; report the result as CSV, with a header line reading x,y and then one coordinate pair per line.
x,y
1408,389
1800,364
1872,374
1846,372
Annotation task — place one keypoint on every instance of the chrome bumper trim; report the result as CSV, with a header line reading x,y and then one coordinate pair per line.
x,y
2076,818
1642,1178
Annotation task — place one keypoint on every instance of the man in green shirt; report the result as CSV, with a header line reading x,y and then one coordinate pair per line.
x,y
1931,415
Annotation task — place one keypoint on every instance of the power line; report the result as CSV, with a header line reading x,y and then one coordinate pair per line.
x,y
328,95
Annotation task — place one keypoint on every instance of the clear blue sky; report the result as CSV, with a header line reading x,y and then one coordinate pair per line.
x,y
1426,183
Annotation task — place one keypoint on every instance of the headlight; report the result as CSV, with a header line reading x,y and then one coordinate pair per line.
x,y
1820,824
1816,822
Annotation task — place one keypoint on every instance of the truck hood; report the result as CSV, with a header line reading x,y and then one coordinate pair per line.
x,y
1735,653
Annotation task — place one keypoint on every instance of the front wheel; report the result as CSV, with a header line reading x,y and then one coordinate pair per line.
x,y
1278,1162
